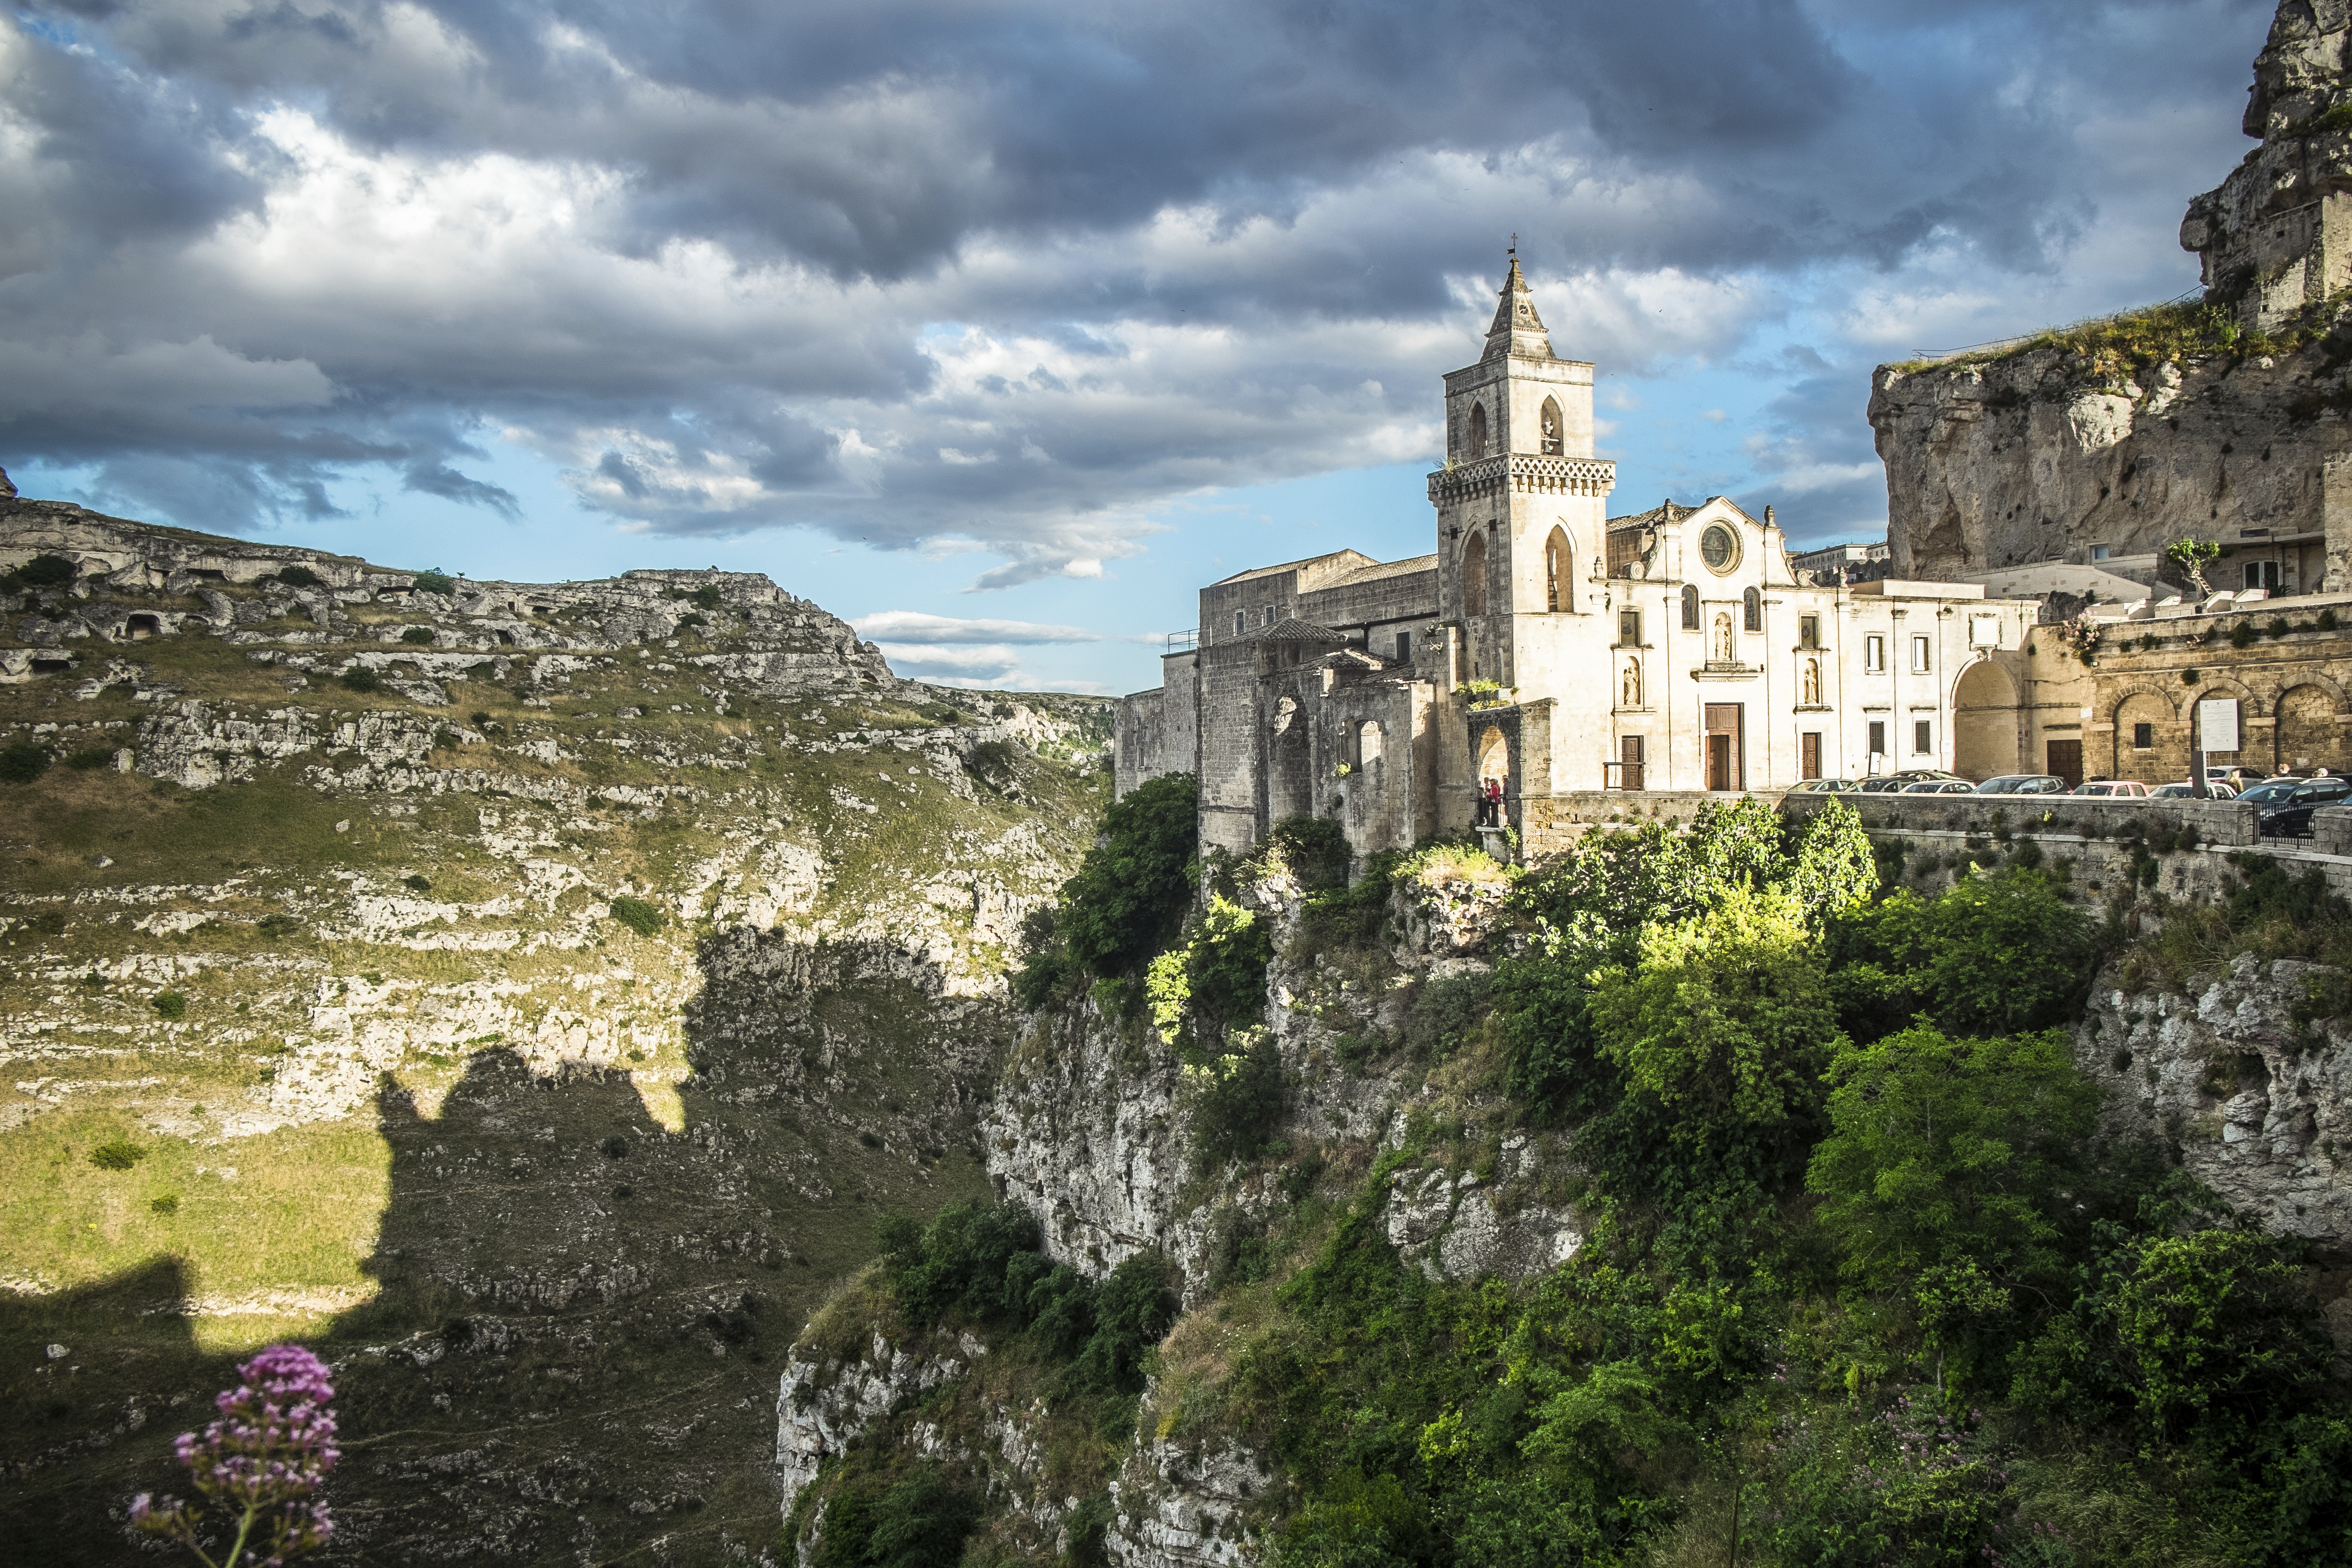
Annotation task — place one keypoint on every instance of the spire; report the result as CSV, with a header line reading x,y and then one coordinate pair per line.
x,y
1517,330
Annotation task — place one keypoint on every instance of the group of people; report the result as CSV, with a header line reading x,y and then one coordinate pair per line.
x,y
1490,803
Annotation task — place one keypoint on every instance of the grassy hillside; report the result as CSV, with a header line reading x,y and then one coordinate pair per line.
x,y
540,1040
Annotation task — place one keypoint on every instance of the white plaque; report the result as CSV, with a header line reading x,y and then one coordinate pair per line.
x,y
2217,724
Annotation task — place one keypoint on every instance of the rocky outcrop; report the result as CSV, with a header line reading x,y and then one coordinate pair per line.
x,y
2039,455
2271,238
823,1406
1181,1508
2248,1074
2175,423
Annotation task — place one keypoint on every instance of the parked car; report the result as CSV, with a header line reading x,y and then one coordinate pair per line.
x,y
2183,790
1823,786
2275,790
2291,818
2113,789
1939,786
1885,783
2024,784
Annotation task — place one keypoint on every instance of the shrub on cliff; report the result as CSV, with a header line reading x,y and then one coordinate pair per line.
x,y
434,581
23,762
1998,955
637,914
1130,895
918,1520
42,571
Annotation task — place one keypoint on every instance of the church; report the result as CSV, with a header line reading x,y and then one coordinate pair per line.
x,y
1591,667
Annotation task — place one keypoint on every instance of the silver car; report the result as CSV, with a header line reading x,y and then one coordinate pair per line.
x,y
2024,784
1940,786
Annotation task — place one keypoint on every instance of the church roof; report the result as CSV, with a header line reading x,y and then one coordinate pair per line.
x,y
1296,630
1378,570
1671,511
1518,331
1296,565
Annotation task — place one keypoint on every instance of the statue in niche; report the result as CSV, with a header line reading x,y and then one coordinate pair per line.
x,y
1726,650
1632,689
1812,683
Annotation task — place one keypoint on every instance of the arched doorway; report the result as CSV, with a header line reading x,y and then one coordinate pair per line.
x,y
1984,723
2308,736
1495,764
2144,741
1290,782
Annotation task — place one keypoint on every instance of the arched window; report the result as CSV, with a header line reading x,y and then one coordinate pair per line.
x,y
1473,574
1554,438
1559,560
1690,609
1751,611
1478,430
1368,744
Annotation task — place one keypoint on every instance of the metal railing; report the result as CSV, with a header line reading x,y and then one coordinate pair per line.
x,y
1621,775
1183,641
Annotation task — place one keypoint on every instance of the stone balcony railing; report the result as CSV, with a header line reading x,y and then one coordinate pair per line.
x,y
1524,472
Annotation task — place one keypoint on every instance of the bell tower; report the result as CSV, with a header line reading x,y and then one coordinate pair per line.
x,y
1521,500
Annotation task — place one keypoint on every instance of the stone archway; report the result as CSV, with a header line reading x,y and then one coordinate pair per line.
x,y
2148,717
1984,723
1495,756
2308,734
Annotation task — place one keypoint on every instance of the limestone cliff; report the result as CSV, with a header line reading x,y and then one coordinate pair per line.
x,y
2222,419
1095,1126
530,994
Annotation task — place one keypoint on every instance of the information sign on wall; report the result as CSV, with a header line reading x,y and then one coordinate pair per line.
x,y
2217,724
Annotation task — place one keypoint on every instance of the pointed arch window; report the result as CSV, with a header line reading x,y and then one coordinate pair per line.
x,y
1690,609
1751,611
1478,431
1559,560
1473,574
1548,426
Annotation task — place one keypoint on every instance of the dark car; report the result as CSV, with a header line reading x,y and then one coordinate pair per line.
x,y
2271,791
2291,818
2024,784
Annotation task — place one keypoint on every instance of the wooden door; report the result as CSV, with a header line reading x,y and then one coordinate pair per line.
x,y
1809,750
1629,757
1724,769
2066,761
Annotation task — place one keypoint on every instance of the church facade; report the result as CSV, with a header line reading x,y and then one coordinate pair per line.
x,y
1565,654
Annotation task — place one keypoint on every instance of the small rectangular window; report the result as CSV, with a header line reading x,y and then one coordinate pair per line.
x,y
1269,615
1241,622
1919,655
2143,737
1808,631
2099,552
1878,737
1628,628
1923,735
1405,647
1874,658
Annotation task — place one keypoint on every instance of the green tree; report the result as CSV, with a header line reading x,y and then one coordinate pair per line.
x,y
1830,870
1945,1151
1998,955
2192,555
1132,890
1727,1019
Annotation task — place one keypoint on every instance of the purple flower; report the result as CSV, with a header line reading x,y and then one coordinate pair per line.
x,y
263,1461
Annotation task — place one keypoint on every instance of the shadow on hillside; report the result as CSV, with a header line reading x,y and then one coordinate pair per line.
x,y
82,1432
579,1316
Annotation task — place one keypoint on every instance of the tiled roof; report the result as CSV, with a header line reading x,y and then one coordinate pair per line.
x,y
1296,630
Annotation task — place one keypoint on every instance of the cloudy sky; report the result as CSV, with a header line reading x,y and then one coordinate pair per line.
x,y
1001,328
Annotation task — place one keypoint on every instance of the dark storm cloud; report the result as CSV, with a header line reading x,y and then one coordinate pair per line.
x,y
1015,273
